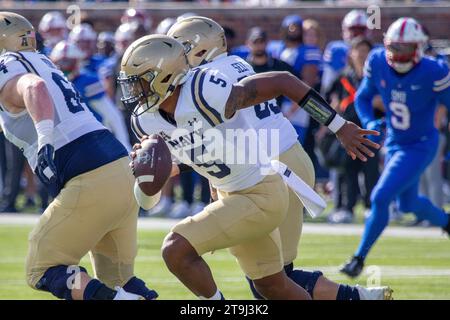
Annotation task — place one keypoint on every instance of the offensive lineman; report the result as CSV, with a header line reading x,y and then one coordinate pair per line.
x,y
80,162
166,96
204,40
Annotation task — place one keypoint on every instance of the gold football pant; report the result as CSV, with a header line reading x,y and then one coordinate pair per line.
x,y
97,212
300,163
245,221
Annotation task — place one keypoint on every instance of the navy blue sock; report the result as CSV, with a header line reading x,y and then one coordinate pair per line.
x,y
95,290
256,294
55,280
137,286
305,279
347,292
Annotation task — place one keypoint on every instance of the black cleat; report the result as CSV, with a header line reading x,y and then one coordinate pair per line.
x,y
447,228
354,267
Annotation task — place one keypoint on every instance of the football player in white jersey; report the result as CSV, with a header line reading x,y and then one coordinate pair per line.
x,y
80,162
205,45
187,108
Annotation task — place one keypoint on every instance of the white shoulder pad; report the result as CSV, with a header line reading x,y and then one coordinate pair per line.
x,y
210,90
10,67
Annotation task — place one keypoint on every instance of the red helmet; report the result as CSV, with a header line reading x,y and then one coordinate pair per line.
x,y
53,28
354,25
67,56
404,42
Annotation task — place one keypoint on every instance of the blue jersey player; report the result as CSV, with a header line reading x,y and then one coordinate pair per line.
x,y
335,56
85,38
411,86
305,60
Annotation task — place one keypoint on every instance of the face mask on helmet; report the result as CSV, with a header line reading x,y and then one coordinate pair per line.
x,y
53,36
137,93
293,32
353,32
188,46
402,56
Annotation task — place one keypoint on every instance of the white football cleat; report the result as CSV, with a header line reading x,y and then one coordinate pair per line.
x,y
124,295
375,293
340,217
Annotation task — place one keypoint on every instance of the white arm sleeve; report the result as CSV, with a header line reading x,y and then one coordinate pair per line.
x,y
113,119
144,201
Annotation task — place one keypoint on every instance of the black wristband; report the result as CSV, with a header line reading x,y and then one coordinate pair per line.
x,y
184,168
317,107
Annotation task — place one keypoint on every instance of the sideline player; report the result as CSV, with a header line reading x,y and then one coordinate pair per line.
x,y
411,85
335,56
80,162
167,97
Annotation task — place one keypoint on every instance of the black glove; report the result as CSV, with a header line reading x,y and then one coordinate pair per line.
x,y
46,168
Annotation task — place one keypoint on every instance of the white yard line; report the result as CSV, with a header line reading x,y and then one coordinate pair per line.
x,y
331,271
308,228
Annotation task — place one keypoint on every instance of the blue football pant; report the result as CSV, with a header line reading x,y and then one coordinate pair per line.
x,y
400,180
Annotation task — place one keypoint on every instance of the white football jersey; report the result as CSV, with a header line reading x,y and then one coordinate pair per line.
x,y
267,115
72,117
203,138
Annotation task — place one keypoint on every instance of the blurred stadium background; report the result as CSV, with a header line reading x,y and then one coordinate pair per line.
x,y
417,265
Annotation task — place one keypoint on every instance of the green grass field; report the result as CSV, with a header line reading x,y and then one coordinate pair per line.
x,y
414,268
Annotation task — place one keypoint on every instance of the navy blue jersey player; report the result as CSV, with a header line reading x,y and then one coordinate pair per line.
x,y
411,86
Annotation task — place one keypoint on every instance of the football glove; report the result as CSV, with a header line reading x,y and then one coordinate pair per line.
x,y
46,168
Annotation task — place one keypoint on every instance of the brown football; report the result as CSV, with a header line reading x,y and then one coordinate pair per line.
x,y
152,165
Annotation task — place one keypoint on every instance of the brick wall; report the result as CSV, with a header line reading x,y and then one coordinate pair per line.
x,y
107,15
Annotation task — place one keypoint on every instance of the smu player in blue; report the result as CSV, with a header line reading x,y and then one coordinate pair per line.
x,y
304,59
53,29
85,38
411,85
335,59
68,58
